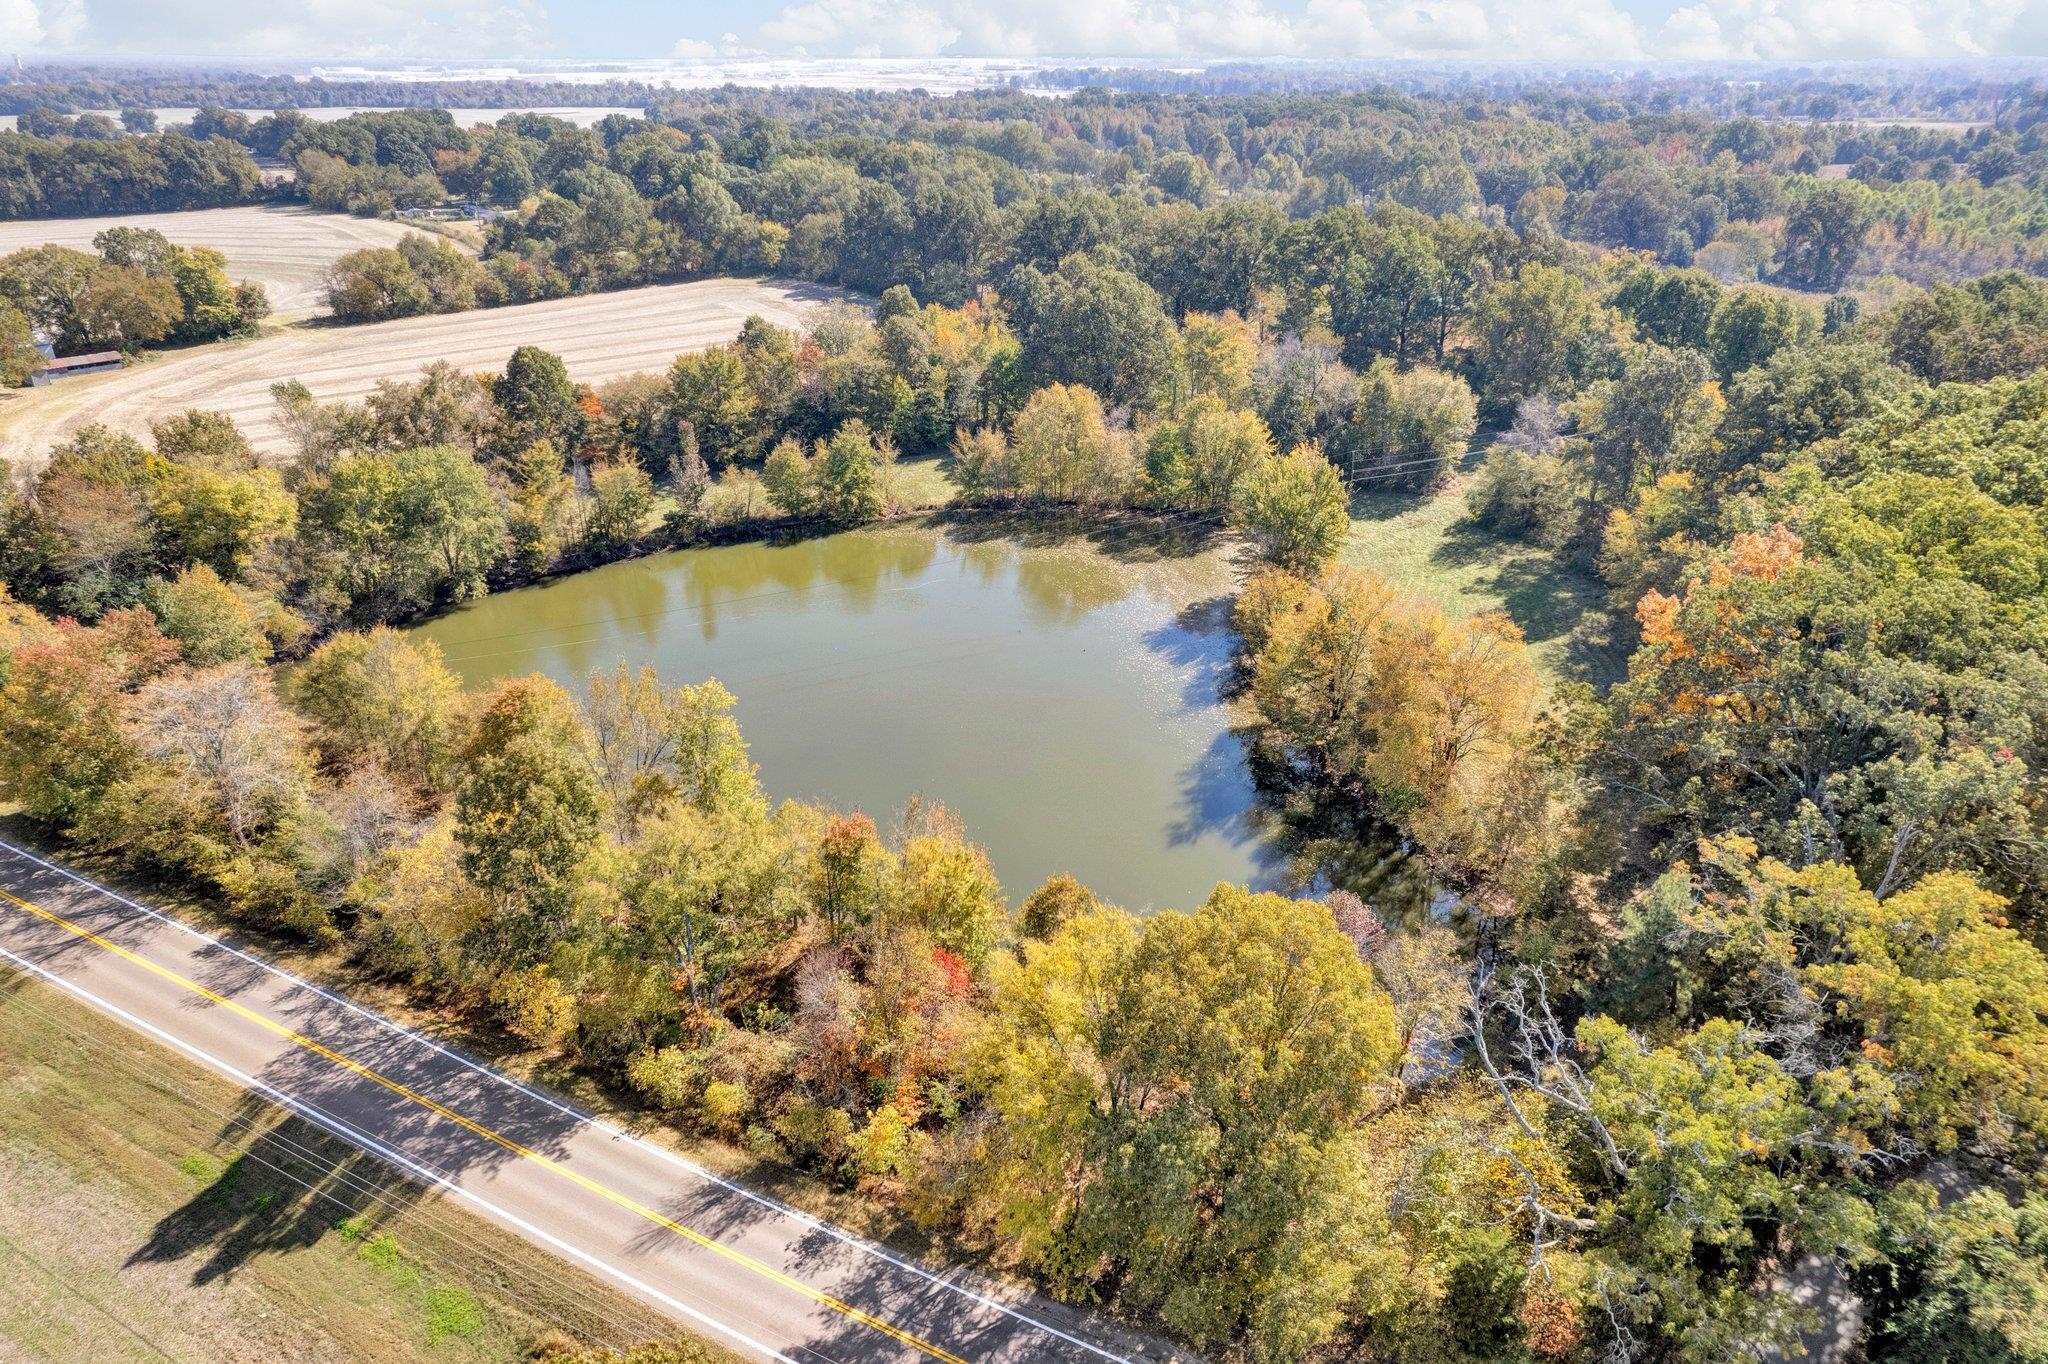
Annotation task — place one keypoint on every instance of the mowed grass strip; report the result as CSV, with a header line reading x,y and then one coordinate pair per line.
x,y
150,1209
1424,544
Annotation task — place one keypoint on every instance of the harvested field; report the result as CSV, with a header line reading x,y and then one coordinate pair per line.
x,y
152,1210
599,336
286,250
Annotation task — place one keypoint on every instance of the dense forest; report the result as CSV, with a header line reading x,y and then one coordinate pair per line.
x,y
1732,1021
734,179
1983,90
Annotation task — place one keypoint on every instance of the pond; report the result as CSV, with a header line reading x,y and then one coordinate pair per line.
x,y
1063,698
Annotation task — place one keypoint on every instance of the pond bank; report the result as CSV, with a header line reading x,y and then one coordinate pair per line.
x,y
1059,684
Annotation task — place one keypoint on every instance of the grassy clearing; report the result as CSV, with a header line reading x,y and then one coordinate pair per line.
x,y
150,1209
919,484
1423,544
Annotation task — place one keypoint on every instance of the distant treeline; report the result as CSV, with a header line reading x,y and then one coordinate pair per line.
x,y
1972,92
66,90
86,176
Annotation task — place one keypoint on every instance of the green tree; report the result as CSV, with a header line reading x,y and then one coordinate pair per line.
x,y
656,747
1407,429
1219,446
375,284
540,516
1988,433
848,471
1218,354
222,518
713,391
705,890
1979,329
537,402
1824,235
789,479
1749,676
621,499
1658,415
1295,510
528,808
1965,1281
1752,325
1222,1199
1802,395
213,306
948,890
382,697
19,357
212,621
389,533
1062,449
1093,324
1049,908
1535,334
1670,307
205,440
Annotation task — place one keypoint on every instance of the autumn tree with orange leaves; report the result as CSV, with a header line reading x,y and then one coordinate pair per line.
x,y
1770,700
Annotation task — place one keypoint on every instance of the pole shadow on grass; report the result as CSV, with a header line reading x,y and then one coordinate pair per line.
x,y
273,1186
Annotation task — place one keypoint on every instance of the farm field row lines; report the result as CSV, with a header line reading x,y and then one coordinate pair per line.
x,y
598,336
286,250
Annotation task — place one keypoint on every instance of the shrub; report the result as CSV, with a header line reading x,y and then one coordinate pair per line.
x,y
725,1106
537,1007
1522,497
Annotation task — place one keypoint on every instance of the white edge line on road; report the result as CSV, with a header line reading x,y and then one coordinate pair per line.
x,y
610,1129
379,1149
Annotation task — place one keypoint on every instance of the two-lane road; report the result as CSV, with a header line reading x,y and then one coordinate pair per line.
x,y
735,1265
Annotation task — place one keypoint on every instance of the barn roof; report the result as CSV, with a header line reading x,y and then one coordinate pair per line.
x,y
98,357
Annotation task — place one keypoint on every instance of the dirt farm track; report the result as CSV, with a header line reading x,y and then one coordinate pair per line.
x,y
599,337
286,250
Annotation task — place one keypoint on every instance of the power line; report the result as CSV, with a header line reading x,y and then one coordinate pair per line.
x,y
231,1121
568,1291
64,1285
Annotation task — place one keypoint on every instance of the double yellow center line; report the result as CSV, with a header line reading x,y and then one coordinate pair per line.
x,y
496,1138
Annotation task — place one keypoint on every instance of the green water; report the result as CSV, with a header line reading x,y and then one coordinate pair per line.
x,y
1062,699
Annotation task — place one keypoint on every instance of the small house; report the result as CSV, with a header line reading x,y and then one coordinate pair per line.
x,y
72,365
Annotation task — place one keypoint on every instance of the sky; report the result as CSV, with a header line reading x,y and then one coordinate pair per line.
x,y
1599,30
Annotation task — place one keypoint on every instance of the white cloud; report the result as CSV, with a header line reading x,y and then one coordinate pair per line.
x,y
1605,30
1559,29
924,28
288,28
861,28
28,24
21,24
1846,29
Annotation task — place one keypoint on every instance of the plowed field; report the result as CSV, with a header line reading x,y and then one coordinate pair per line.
x,y
286,250
599,336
